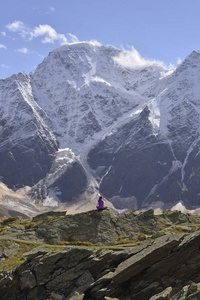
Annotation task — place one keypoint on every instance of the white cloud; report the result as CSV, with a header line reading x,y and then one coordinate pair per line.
x,y
23,50
179,60
73,38
3,33
3,66
27,51
95,43
48,33
171,66
133,60
2,46
19,27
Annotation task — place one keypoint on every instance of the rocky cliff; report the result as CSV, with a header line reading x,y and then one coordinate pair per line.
x,y
97,255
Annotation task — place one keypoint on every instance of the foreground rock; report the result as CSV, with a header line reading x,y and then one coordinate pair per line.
x,y
137,272
146,256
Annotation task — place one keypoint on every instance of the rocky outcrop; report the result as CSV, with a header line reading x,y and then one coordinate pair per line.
x,y
103,227
92,256
136,272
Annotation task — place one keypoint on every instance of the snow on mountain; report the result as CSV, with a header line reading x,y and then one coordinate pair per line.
x,y
26,144
173,134
176,112
84,90
92,118
93,93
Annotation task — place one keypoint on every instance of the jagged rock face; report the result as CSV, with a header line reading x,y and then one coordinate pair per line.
x,y
26,164
69,185
83,91
131,132
27,147
158,267
155,156
134,160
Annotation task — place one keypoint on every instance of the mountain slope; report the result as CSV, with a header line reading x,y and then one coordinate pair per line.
x,y
92,118
158,158
26,144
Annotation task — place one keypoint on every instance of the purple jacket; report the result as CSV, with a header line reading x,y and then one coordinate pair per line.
x,y
100,204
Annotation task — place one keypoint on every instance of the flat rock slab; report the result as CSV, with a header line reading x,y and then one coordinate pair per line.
x,y
147,257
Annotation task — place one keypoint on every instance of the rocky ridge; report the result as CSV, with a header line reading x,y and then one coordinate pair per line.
x,y
97,255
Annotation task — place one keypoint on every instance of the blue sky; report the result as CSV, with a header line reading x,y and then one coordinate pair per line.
x,y
164,30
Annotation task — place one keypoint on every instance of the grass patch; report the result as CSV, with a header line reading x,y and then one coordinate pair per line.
x,y
9,263
142,236
75,243
161,227
10,220
193,228
15,259
7,223
178,229
121,241
31,224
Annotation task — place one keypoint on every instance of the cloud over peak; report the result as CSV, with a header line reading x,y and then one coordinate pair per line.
x,y
48,33
133,60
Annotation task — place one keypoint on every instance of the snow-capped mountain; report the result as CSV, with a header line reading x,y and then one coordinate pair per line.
x,y
95,119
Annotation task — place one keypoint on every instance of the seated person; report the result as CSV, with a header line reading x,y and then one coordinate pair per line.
x,y
101,204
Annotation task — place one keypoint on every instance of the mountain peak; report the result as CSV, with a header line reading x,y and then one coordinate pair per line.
x,y
193,57
195,52
192,60
78,46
